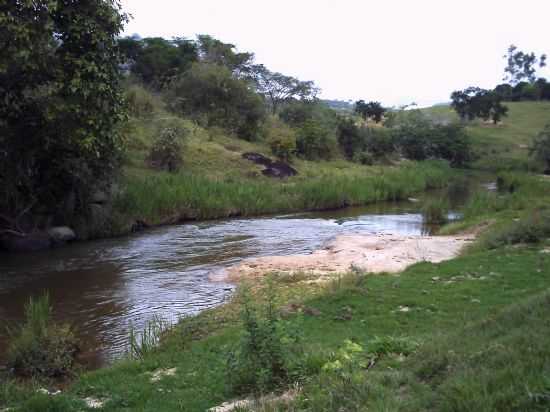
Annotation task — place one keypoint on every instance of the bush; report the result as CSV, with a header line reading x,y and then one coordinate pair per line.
x,y
269,355
166,151
532,228
364,157
315,141
41,348
210,94
281,139
351,138
141,103
418,138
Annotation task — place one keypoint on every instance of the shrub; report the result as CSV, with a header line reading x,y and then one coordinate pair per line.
x,y
379,142
315,141
209,93
141,103
166,151
40,347
351,138
269,354
532,228
418,138
281,139
364,157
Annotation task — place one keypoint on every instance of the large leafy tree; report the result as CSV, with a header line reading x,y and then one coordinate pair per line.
x,y
155,60
211,95
373,110
476,102
60,103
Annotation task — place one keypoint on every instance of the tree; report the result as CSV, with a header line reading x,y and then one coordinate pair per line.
x,y
368,110
315,141
350,137
462,101
521,66
214,51
475,102
156,60
361,109
278,88
418,138
60,105
211,95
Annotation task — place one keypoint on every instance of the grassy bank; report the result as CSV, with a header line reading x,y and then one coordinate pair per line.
x,y
474,330
163,197
466,334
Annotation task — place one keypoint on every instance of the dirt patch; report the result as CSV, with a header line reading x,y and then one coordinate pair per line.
x,y
371,253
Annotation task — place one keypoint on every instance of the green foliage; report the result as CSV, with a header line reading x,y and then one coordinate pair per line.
x,y
534,227
211,95
141,102
475,102
278,88
351,138
418,138
40,348
379,142
60,102
281,139
166,152
521,65
364,157
143,342
372,110
540,148
392,345
315,141
269,353
162,197
155,60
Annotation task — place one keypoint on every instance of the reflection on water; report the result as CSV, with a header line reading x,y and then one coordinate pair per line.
x,y
102,286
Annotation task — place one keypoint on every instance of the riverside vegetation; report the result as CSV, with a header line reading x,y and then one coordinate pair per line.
x,y
461,335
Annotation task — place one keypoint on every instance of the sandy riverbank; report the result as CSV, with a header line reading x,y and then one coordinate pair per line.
x,y
372,253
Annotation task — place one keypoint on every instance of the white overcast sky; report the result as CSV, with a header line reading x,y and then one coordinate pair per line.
x,y
395,51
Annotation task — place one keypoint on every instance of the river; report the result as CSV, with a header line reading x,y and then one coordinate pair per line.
x,y
101,287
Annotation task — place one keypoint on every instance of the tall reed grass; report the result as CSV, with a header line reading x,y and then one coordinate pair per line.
x,y
164,198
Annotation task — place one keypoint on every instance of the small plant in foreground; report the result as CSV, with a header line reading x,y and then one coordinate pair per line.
x,y
270,353
41,348
143,342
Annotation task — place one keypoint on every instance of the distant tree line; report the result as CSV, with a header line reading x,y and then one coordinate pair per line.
x,y
521,84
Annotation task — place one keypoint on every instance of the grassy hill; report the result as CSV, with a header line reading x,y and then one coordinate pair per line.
x,y
503,146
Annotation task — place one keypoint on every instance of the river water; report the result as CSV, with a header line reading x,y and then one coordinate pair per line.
x,y
101,287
